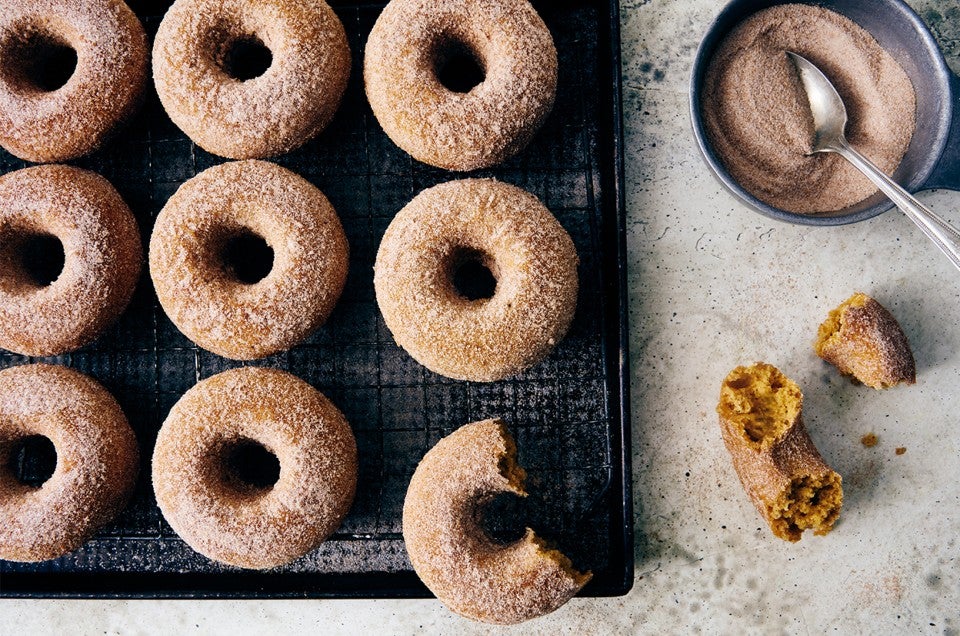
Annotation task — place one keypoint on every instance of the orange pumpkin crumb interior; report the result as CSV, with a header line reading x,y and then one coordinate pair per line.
x,y
761,401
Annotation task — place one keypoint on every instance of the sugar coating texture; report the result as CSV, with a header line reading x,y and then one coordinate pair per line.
x,y
449,129
268,115
758,119
206,300
471,574
778,465
521,243
235,523
864,341
102,258
105,89
97,461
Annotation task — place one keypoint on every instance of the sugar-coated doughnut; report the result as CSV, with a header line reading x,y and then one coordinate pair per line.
x,y
864,341
476,227
204,56
201,248
778,465
70,73
46,309
210,504
415,44
470,573
97,461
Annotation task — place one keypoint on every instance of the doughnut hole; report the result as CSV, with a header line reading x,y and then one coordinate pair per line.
x,y
459,67
473,274
37,60
32,460
245,256
502,518
248,467
29,259
241,56
247,58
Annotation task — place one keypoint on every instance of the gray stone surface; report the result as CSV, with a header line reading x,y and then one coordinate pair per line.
x,y
713,285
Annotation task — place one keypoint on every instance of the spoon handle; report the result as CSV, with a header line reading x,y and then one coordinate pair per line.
x,y
944,235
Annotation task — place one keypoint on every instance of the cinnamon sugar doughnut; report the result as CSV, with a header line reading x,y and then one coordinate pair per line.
x,y
780,468
50,306
420,57
201,259
216,509
864,341
470,573
70,73
250,78
459,231
96,461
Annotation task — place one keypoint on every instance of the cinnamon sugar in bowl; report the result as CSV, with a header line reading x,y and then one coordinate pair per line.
x,y
753,126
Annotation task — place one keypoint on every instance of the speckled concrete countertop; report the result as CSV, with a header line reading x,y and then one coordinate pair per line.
x,y
713,285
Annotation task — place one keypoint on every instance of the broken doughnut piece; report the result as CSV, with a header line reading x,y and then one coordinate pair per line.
x,y
863,340
469,572
777,463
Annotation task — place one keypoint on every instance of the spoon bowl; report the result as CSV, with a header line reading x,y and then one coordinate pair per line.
x,y
826,106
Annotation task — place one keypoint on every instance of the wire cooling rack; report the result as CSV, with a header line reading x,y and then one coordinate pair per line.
x,y
568,414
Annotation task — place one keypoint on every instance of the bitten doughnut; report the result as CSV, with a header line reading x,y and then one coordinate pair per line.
x,y
250,78
203,455
97,461
863,340
70,73
460,84
476,279
778,465
248,259
70,258
471,574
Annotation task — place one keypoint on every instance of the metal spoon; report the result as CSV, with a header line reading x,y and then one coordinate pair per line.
x,y
829,121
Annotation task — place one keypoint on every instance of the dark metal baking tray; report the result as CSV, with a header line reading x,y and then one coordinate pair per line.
x,y
569,414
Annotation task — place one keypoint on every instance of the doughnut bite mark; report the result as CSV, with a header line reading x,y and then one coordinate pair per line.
x,y
476,279
864,341
96,461
248,79
254,468
460,84
248,259
778,465
471,574
70,74
70,258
